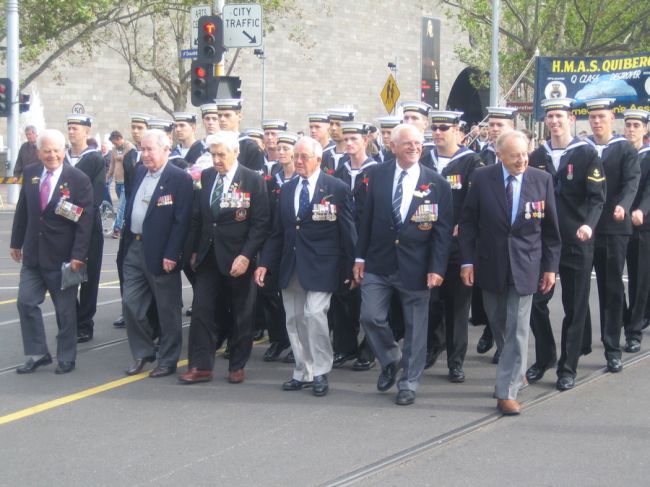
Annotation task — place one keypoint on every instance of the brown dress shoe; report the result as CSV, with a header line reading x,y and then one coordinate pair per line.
x,y
236,376
195,375
508,407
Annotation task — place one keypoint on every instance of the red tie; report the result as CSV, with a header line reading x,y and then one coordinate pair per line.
x,y
45,190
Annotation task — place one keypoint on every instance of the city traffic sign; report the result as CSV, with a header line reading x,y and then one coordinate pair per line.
x,y
390,94
242,25
196,13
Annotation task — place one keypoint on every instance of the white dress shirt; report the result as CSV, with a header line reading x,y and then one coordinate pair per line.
x,y
311,187
409,183
227,180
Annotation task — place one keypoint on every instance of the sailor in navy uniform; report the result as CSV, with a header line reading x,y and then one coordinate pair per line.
x,y
89,160
319,129
346,304
229,113
621,166
386,126
271,130
270,309
449,305
580,189
189,147
335,155
416,113
500,120
638,250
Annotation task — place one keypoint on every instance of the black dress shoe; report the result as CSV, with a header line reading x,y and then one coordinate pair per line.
x,y
535,372
258,335
320,385
405,398
388,377
361,364
456,375
432,356
632,345
188,311
162,371
341,358
84,336
295,385
31,365
273,352
64,367
486,341
495,357
565,383
646,323
289,359
119,323
614,365
138,365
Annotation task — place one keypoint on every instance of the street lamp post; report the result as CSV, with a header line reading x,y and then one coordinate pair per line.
x,y
260,54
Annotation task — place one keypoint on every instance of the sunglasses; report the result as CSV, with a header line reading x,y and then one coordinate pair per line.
x,y
442,128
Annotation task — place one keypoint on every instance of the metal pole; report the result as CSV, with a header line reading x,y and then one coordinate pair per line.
x,y
263,83
14,76
219,68
494,69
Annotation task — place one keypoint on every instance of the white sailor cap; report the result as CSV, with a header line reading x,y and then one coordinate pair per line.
x,y
274,124
341,114
416,106
550,104
208,108
389,122
446,116
428,135
137,117
600,104
637,114
255,133
318,117
501,112
355,128
79,119
229,104
184,117
159,123
288,138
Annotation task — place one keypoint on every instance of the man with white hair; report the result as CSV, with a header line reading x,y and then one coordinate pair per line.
x,y
229,228
156,223
52,225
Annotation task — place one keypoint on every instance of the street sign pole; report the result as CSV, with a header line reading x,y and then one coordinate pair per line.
x,y
14,75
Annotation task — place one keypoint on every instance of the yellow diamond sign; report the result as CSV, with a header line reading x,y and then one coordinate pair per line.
x,y
390,94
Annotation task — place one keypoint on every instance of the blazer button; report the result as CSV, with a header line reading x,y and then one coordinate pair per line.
x,y
297,227
396,242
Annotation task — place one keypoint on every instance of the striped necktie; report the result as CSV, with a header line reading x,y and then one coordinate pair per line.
x,y
397,201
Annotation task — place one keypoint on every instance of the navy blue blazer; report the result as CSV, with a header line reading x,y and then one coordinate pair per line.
x,y
530,246
320,252
47,239
166,226
417,248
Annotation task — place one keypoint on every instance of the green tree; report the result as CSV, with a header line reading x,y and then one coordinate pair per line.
x,y
556,27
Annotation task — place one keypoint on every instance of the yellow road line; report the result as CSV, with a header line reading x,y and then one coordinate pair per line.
x,y
61,401
8,301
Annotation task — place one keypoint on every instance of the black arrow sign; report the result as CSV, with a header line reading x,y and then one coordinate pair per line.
x,y
252,39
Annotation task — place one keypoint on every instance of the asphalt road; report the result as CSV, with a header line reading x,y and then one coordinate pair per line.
x,y
96,427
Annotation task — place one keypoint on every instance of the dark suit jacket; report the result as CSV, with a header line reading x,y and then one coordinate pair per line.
x,y
489,242
91,163
237,231
321,252
165,227
642,200
47,239
417,248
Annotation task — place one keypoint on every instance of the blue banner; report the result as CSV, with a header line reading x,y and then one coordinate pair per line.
x,y
625,78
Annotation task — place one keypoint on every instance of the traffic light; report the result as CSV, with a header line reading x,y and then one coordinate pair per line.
x,y
23,102
228,87
203,83
210,48
5,97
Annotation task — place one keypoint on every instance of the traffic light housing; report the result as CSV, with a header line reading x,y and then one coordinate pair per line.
x,y
203,83
210,48
228,87
23,102
5,97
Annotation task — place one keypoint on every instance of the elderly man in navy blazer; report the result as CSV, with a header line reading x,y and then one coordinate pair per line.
x,y
52,225
404,243
156,224
510,246
311,250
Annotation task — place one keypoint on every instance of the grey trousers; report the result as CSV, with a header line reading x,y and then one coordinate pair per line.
x,y
140,287
509,318
34,282
376,292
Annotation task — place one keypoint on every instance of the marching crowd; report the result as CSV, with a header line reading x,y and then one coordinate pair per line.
x,y
343,246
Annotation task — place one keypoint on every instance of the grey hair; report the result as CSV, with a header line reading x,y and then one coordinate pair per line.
x,y
227,138
405,127
30,128
511,134
161,138
52,135
313,145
